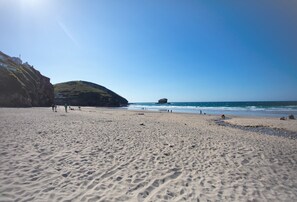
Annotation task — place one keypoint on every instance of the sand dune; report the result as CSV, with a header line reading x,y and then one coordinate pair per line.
x,y
117,155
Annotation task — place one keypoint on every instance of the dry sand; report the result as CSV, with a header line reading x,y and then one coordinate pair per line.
x,y
118,155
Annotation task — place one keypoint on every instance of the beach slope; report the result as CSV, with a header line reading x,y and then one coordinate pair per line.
x,y
99,154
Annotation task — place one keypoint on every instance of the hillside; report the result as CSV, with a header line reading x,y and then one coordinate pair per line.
x,y
23,86
82,93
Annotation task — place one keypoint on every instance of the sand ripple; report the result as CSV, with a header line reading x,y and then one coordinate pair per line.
x,y
116,155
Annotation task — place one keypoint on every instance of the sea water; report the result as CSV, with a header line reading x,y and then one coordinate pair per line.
x,y
265,109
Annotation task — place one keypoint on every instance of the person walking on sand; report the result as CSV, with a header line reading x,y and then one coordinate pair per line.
x,y
65,107
53,106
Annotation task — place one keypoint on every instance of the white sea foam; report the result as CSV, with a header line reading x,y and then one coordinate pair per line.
x,y
247,110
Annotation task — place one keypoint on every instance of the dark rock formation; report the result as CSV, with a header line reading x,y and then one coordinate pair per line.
x,y
23,86
163,101
82,93
291,116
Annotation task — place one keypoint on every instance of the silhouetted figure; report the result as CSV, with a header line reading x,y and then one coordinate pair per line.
x,y
79,108
291,116
65,107
53,107
200,111
223,116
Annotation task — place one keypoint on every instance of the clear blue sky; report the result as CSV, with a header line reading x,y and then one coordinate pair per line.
x,y
148,49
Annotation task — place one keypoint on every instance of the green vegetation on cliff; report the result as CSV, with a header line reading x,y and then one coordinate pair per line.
x,y
82,93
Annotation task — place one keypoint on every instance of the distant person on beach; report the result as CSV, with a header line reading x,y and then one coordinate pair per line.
x,y
65,107
200,112
53,107
79,108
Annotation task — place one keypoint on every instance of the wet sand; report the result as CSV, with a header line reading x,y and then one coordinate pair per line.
x,y
100,154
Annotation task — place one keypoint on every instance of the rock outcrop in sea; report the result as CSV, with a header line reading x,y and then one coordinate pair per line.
x,y
83,93
23,86
163,101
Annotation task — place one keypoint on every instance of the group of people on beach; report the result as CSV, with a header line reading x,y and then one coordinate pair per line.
x,y
54,107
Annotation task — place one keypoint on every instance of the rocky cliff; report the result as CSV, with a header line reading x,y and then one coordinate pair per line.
x,y
82,93
23,86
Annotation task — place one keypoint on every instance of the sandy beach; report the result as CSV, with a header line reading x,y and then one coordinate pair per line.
x,y
100,154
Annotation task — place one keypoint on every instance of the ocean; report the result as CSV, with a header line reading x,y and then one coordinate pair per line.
x,y
262,109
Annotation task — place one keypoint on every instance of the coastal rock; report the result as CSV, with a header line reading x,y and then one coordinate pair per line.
x,y
83,93
163,101
23,86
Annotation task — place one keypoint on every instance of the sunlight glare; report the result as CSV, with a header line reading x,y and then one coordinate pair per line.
x,y
32,4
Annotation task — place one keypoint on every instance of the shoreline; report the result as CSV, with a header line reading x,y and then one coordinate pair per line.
x,y
242,115
212,114
256,108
